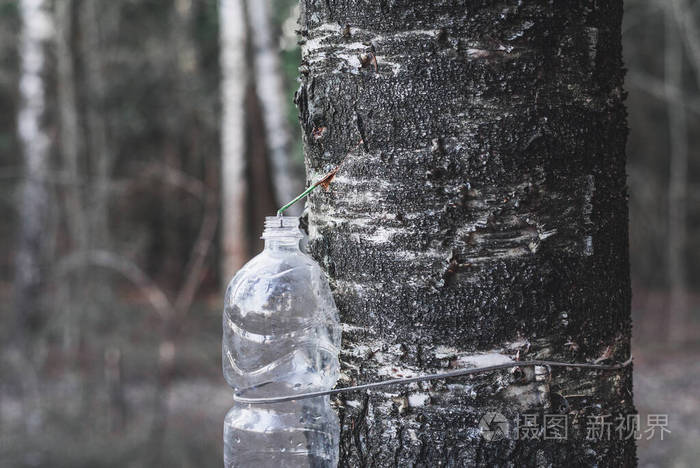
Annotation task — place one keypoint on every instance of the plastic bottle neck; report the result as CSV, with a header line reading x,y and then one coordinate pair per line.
x,y
277,244
282,233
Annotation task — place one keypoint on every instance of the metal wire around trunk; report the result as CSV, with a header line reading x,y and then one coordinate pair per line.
x,y
421,378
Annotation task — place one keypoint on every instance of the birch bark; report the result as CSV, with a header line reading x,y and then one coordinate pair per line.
x,y
233,86
271,94
484,219
36,29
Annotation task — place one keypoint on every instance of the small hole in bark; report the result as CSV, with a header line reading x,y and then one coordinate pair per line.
x,y
368,59
559,404
436,147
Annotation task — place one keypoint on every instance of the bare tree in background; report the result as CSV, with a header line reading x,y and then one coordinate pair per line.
x,y
186,50
70,145
678,167
269,87
100,154
70,139
233,183
36,29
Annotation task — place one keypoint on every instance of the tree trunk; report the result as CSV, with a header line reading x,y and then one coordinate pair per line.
x,y
233,88
677,180
34,141
271,93
71,300
483,219
101,156
69,137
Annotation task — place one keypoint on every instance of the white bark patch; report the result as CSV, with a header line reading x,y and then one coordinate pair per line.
x,y
342,179
318,35
431,33
416,400
493,358
319,48
323,44
383,235
478,53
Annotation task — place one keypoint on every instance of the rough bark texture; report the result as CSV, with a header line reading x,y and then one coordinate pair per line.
x,y
483,219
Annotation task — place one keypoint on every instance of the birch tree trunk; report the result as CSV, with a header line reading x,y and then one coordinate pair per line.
x,y
483,220
34,141
271,94
233,88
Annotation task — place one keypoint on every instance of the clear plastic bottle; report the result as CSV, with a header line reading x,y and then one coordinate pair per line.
x,y
281,337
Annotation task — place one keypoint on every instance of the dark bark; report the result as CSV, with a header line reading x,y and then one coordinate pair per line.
x,y
483,219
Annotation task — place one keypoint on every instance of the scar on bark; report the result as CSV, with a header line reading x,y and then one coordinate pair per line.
x,y
453,265
361,130
318,132
369,59
328,178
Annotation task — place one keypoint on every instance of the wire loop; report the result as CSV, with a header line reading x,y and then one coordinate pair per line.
x,y
441,375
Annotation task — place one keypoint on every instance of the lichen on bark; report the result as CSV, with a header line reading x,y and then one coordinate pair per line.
x,y
483,219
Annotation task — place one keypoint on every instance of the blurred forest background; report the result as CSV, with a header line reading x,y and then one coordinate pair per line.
x,y
125,208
